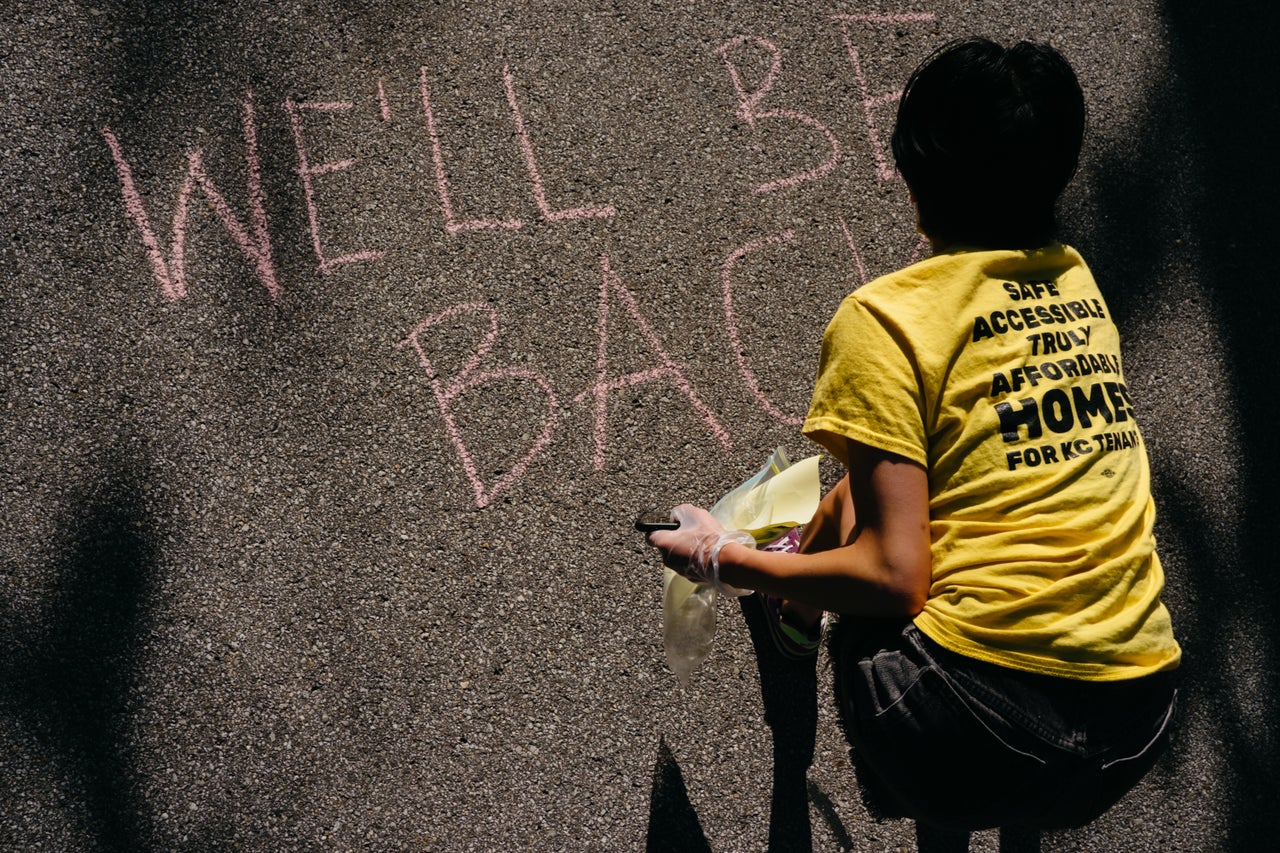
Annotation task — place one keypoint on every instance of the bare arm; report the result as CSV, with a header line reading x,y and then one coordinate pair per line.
x,y
833,524
880,565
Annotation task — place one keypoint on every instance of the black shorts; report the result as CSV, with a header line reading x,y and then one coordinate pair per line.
x,y
963,744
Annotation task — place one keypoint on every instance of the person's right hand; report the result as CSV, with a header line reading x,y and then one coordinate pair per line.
x,y
693,549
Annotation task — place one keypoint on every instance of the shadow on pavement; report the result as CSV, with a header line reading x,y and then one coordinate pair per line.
x,y
1202,171
789,691
70,670
673,823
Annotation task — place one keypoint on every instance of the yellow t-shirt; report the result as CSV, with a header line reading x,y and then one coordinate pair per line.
x,y
999,371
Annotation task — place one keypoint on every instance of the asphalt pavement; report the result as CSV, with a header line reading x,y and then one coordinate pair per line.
x,y
345,340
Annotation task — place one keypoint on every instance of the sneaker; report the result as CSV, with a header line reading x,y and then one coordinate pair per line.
x,y
790,641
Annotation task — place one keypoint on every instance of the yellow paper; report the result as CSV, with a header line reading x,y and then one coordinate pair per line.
x,y
785,500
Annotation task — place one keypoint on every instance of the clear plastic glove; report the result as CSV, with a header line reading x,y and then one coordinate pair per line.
x,y
693,550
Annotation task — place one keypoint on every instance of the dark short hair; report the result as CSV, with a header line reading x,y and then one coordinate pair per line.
x,y
987,138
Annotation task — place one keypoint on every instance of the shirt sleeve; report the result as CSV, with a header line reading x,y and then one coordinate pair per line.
x,y
868,387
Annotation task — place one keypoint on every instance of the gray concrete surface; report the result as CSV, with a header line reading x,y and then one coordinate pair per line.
x,y
272,578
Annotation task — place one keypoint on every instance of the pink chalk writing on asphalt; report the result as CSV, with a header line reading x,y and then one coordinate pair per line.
x,y
306,171
451,222
254,239
731,321
871,104
916,253
853,248
748,110
611,285
384,108
531,165
446,393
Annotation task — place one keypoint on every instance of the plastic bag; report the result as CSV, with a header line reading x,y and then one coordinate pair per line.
x,y
766,506
780,496
688,623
